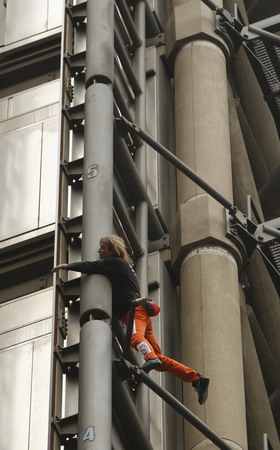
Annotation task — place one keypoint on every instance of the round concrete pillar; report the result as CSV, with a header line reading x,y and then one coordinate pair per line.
x,y
202,118
211,329
211,343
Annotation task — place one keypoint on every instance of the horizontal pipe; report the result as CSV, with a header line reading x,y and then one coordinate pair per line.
x,y
151,23
265,34
127,415
152,28
126,223
272,231
134,185
184,168
181,409
126,63
120,101
128,22
211,5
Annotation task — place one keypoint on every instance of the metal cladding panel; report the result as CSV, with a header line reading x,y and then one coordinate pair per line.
x,y
55,10
49,172
25,310
39,400
20,158
24,391
3,109
25,19
25,335
35,98
15,392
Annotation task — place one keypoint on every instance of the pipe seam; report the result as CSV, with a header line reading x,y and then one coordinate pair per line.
x,y
210,250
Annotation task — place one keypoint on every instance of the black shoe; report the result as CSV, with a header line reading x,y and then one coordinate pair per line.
x,y
201,387
150,364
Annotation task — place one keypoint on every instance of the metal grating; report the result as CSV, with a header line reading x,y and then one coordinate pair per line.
x,y
274,249
264,57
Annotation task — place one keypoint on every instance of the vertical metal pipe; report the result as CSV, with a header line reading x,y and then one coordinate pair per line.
x,y
141,164
140,155
95,393
95,376
100,41
97,192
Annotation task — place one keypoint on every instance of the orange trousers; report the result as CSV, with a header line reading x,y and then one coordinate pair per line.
x,y
144,341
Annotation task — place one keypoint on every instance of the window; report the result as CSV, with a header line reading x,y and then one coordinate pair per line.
x,y
28,160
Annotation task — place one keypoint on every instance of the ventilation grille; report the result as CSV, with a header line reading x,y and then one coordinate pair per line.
x,y
265,61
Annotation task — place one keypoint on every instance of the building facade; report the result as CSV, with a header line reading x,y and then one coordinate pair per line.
x,y
195,197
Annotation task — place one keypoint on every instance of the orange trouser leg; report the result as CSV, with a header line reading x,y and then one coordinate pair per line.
x,y
138,338
144,340
170,365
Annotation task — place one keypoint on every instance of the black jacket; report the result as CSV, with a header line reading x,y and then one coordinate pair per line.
x,y
125,286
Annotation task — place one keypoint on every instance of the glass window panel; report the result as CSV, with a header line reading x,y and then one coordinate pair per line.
x,y
55,13
35,98
49,172
3,109
25,18
20,158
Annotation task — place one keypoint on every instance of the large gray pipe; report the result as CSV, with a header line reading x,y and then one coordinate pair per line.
x,y
135,186
95,392
95,377
97,194
100,41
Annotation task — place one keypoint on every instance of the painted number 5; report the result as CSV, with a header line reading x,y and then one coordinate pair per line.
x,y
92,171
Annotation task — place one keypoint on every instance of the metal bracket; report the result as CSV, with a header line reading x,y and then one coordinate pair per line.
x,y
160,244
68,358
71,228
66,428
76,62
77,13
62,323
70,290
75,115
156,41
73,170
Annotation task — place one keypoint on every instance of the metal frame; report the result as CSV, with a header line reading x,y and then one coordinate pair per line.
x,y
129,371
245,233
236,33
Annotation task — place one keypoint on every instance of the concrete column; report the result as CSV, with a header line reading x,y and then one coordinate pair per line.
x,y
259,415
211,343
211,329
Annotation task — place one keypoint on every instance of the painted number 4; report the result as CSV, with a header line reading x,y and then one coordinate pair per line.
x,y
89,434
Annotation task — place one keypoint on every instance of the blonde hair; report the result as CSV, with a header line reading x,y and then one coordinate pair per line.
x,y
117,245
